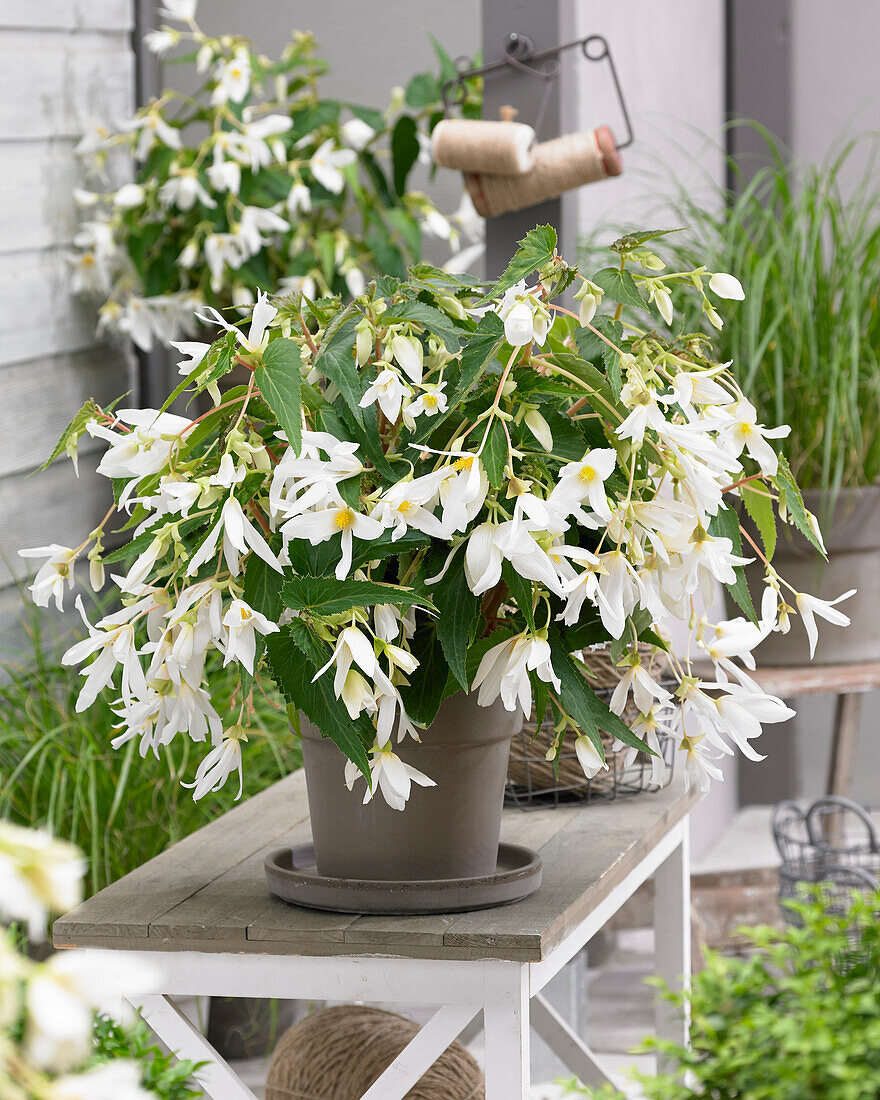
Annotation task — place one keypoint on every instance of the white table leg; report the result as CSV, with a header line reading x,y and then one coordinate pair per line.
x,y
672,932
568,1047
506,1024
175,1030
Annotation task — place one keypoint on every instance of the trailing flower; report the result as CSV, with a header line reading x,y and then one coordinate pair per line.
x,y
253,181
374,551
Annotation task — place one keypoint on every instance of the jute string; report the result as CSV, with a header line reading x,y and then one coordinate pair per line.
x,y
560,165
339,1052
473,145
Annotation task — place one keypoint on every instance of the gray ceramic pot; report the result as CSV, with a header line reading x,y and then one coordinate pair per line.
x,y
852,536
448,831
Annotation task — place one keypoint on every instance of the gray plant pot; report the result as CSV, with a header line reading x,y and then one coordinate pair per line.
x,y
448,831
852,537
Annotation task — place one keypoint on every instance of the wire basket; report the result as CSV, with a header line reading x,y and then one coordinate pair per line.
x,y
534,783
833,845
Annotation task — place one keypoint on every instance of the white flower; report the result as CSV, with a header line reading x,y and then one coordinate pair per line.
x,y
483,558
386,621
354,648
392,777
114,642
183,191
585,481
219,764
52,575
746,433
357,133
222,249
539,428
741,712
588,756
239,536
299,200
810,606
142,451
258,335
325,165
726,286
644,687
408,352
526,318
407,504
129,196
38,875
255,221
324,523
227,475
388,392
193,351
618,591
241,622
464,493
224,175
234,79
160,42
431,401
699,772
182,10
436,225
504,670
153,128
116,1080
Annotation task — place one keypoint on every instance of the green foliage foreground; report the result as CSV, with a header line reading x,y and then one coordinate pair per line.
x,y
798,1019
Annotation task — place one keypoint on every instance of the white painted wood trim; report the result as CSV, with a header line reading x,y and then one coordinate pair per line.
x,y
506,1027
672,932
582,933
421,1053
174,1029
568,1047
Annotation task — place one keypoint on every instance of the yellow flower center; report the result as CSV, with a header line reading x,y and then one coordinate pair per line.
x,y
745,429
587,474
405,507
463,463
430,400
344,518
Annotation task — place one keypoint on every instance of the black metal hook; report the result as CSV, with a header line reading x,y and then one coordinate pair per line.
x,y
519,53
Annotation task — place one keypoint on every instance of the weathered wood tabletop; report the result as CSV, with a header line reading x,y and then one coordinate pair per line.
x,y
208,892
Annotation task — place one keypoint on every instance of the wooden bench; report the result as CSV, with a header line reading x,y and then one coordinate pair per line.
x,y
203,912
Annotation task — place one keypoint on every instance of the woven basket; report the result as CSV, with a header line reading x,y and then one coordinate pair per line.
x,y
339,1052
529,773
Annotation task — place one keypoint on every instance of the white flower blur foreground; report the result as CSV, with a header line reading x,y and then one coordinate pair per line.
x,y
443,486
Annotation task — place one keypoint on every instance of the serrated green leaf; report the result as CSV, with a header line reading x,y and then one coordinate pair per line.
x,y
278,379
422,698
534,250
262,592
458,611
726,525
759,505
336,360
790,497
521,592
142,542
494,456
75,428
422,90
295,654
385,547
619,286
328,596
434,320
631,241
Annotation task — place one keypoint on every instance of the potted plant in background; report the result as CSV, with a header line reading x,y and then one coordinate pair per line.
x,y
425,503
805,348
254,181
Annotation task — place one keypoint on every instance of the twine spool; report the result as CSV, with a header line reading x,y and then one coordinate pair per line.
x,y
472,145
338,1053
560,165
526,769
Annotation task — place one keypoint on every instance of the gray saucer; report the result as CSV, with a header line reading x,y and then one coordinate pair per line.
x,y
292,876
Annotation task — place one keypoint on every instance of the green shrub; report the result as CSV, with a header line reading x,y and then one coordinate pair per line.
x,y
797,1019
58,770
162,1074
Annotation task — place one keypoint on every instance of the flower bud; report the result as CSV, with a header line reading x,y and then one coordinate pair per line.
x,y
364,342
726,286
539,428
587,310
452,306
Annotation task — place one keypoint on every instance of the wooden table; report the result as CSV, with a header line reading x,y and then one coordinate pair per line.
x,y
848,683
203,912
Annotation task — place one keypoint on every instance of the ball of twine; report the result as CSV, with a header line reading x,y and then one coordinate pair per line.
x,y
339,1052
560,165
483,145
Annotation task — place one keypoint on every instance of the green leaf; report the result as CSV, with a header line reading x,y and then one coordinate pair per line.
x,y
790,497
427,684
481,346
262,592
74,429
295,654
494,454
619,286
759,505
521,592
448,71
535,250
422,90
139,544
459,610
404,150
726,525
370,115
384,547
336,360
434,320
631,241
328,596
279,378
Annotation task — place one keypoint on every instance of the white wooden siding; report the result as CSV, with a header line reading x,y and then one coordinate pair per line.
x,y
68,63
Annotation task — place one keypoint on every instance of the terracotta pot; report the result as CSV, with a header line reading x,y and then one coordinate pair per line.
x,y
852,537
448,831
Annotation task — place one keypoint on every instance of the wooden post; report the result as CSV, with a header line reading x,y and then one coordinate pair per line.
x,y
544,24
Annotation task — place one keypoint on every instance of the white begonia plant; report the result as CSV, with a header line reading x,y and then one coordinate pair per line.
x,y
254,181
329,526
